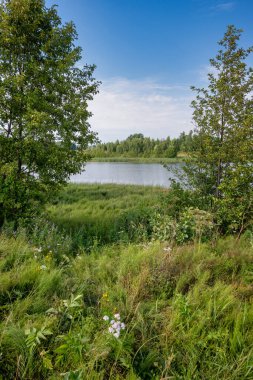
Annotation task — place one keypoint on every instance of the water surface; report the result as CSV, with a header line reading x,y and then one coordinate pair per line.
x,y
126,173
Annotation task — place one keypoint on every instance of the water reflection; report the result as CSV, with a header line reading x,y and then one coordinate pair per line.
x,y
125,173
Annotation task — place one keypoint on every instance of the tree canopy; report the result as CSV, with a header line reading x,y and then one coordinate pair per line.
x,y
136,145
44,98
223,114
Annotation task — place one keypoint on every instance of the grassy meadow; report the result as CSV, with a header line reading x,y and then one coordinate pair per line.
x,y
98,295
102,214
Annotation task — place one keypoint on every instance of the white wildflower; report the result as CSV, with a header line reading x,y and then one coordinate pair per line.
x,y
116,334
115,325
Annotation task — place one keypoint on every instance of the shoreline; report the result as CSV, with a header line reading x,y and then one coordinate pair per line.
x,y
139,160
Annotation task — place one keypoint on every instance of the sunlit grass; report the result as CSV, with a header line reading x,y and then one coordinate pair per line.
x,y
188,311
102,213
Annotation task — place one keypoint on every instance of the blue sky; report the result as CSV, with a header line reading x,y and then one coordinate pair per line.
x,y
148,53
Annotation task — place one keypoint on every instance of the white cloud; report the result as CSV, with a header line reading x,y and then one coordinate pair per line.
x,y
223,7
124,107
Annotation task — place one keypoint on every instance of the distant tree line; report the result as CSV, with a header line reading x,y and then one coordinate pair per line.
x,y
136,145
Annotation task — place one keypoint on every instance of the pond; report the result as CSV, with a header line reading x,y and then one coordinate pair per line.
x,y
126,173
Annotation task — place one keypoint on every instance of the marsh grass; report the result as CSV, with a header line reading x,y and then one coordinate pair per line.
x,y
103,214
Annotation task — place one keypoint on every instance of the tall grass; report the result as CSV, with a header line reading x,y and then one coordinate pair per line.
x,y
188,311
103,214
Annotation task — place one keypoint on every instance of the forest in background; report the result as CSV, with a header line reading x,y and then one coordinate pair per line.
x,y
136,145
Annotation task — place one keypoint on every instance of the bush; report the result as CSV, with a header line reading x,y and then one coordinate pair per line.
x,y
194,224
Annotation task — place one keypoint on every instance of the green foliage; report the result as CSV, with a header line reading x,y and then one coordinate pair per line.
x,y
43,106
194,224
71,349
163,227
177,199
136,146
222,167
34,337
